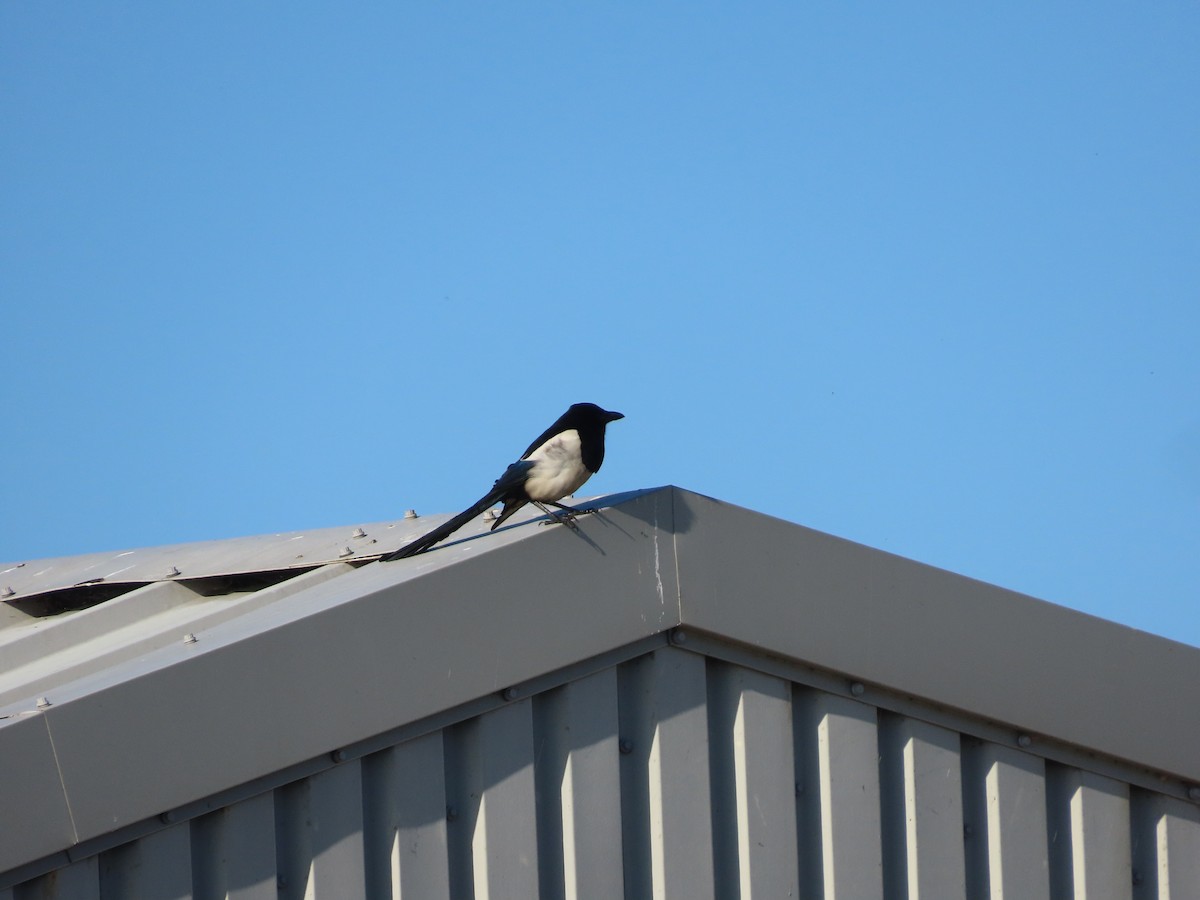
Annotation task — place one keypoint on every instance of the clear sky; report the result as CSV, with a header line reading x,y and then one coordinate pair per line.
x,y
926,277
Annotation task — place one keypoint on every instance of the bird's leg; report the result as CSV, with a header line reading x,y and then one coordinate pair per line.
x,y
576,513
560,518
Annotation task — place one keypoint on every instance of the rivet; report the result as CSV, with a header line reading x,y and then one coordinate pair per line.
x,y
167,818
189,638
625,746
345,551
857,688
678,636
173,571
7,592
509,693
359,533
410,514
1024,740
43,702
451,813
1194,793
338,756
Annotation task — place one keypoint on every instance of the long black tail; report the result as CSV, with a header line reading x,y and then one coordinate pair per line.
x,y
444,531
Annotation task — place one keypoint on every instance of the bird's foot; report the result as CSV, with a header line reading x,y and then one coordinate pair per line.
x,y
563,518
566,517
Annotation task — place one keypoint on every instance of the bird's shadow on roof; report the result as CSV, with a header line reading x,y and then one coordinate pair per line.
x,y
659,510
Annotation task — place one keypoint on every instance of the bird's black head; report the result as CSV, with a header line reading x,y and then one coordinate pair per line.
x,y
590,421
590,412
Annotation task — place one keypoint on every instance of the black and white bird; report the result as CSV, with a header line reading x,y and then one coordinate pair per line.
x,y
556,464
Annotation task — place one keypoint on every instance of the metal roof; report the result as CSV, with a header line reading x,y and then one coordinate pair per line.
x,y
23,580
179,697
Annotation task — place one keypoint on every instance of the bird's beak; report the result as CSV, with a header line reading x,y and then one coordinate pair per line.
x,y
613,416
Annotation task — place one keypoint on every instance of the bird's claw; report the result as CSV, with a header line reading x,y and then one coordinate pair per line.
x,y
561,518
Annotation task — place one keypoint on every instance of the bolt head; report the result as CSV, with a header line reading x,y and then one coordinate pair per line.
x,y
857,688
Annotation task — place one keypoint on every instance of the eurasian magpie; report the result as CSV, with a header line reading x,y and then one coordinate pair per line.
x,y
556,464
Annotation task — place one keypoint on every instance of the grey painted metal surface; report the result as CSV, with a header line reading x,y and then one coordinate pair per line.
x,y
122,732
668,778
926,781
200,559
579,764
958,642
681,781
756,821
845,763
488,720
406,850
23,579
52,652
29,780
1014,785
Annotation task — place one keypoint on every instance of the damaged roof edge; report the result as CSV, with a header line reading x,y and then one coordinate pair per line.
x,y
22,580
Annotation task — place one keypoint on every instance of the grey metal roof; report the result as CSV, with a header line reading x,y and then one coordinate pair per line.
x,y
152,706
22,580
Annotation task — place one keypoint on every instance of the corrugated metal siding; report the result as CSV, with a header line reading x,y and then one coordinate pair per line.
x,y
673,775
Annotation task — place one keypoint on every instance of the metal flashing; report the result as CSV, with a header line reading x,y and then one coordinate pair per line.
x,y
952,640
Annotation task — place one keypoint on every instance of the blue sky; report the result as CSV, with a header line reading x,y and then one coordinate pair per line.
x,y
926,277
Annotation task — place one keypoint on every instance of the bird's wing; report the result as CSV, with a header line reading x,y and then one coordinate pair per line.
x,y
513,479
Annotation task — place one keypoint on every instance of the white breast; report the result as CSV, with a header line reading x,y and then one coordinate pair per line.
x,y
558,468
